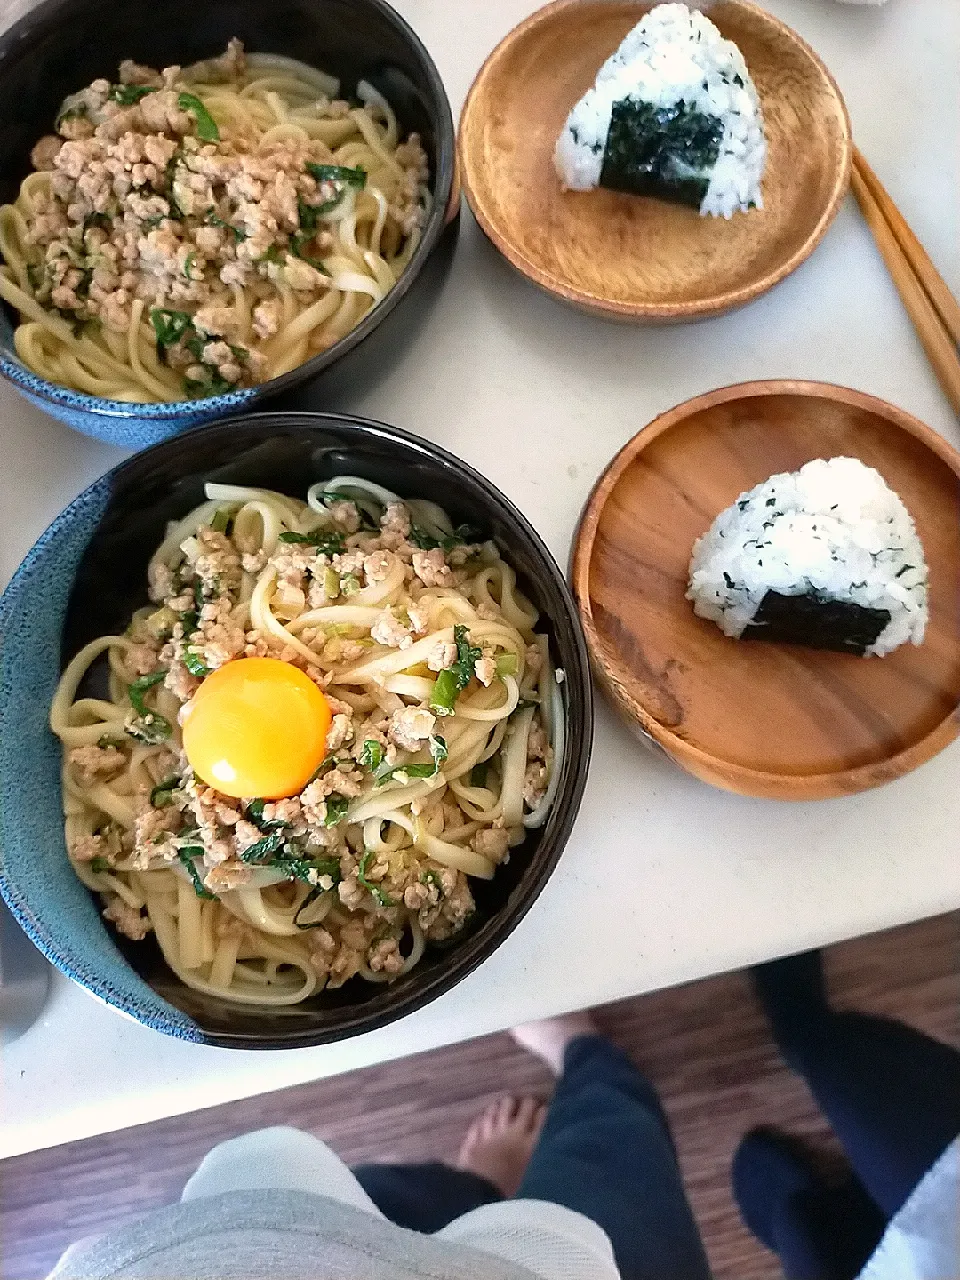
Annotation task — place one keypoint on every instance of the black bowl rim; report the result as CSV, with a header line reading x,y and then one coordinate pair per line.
x,y
17,40
481,944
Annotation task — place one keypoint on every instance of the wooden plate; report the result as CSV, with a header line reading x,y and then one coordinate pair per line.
x,y
629,257
771,720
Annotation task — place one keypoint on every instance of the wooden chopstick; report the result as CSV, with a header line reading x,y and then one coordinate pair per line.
x,y
912,273
926,272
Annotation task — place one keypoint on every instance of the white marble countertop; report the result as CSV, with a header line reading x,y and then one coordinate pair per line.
x,y
664,880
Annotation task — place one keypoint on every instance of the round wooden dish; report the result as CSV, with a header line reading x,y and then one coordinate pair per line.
x,y
780,721
629,257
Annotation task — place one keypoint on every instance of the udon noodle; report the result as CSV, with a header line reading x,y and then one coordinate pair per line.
x,y
444,748
186,233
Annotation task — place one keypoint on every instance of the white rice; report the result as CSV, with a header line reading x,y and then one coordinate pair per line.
x,y
834,528
674,54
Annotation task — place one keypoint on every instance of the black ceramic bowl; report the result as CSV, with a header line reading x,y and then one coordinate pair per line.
x,y
86,575
61,45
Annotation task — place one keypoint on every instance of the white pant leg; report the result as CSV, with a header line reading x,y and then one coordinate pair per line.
x,y
280,1157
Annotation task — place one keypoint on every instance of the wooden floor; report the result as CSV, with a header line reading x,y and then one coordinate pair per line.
x,y
704,1045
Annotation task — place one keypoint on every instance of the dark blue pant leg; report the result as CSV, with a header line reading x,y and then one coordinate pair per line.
x,y
891,1094
606,1151
424,1197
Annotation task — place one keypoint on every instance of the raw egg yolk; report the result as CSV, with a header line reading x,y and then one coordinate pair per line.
x,y
256,727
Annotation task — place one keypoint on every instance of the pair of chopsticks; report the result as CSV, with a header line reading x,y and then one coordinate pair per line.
x,y
933,309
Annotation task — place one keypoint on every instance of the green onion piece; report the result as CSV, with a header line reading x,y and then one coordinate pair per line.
x,y
162,793
336,810
221,520
507,665
99,864
448,684
195,664
349,584
382,898
207,129
331,583
186,856
445,691
339,173
371,755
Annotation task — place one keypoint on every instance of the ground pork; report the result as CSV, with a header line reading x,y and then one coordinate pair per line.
x,y
96,764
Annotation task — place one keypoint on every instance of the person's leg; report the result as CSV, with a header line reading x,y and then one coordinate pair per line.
x,y
891,1094
492,1158
278,1157
424,1197
819,1231
606,1151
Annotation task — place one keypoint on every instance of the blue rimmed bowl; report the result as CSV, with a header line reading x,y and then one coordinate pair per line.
x,y
50,53
85,576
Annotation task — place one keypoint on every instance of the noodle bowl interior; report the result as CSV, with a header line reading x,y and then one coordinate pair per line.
x,y
440,744
187,232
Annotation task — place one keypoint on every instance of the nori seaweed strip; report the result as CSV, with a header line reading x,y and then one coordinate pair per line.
x,y
668,152
816,622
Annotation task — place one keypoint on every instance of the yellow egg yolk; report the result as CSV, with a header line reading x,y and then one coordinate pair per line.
x,y
256,727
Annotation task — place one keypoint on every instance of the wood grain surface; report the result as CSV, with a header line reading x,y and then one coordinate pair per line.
x,y
781,721
635,258
705,1046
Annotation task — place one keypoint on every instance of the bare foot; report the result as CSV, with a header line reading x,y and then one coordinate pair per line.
x,y
500,1142
548,1039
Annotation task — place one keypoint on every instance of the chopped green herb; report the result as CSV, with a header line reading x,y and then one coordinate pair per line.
x,y
382,898
262,849
336,810
216,221
432,877
371,755
195,664
188,264
213,385
426,541
274,254
151,726
438,750
99,864
298,244
162,793
128,94
76,112
327,543
207,129
169,326
187,856
339,173
139,688
449,683
315,893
